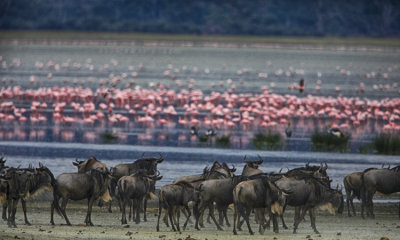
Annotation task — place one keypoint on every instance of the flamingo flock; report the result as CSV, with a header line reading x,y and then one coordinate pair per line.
x,y
118,102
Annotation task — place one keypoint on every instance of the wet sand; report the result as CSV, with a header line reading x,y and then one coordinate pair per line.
x,y
108,226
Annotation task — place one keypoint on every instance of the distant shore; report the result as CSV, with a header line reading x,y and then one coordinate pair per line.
x,y
203,40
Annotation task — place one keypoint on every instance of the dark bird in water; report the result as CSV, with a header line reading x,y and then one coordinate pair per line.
x,y
335,132
194,131
288,131
301,85
211,132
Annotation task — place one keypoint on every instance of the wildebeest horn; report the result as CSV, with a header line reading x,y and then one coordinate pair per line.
x,y
142,155
326,166
40,165
307,164
244,159
280,170
337,186
233,169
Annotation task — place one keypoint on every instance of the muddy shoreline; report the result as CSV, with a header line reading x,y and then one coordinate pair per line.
x,y
108,226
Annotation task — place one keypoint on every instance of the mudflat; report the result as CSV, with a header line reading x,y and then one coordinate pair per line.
x,y
108,226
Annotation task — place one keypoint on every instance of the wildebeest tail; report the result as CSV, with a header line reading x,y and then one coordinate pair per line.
x,y
55,191
122,192
237,203
363,194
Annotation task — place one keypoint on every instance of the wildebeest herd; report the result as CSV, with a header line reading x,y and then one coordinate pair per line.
x,y
305,188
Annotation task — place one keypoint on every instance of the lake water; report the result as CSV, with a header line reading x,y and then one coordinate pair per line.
x,y
205,68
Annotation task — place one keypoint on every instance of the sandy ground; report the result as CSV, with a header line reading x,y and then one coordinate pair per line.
x,y
108,226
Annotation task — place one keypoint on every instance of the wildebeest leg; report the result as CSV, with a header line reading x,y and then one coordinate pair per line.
x,y
224,211
137,209
165,218
259,212
371,204
88,220
12,209
312,218
348,196
246,218
171,220
123,212
235,217
300,216
187,218
144,209
352,205
63,206
159,215
211,213
4,215
23,203
177,216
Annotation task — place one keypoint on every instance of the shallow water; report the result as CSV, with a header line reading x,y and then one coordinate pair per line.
x,y
87,66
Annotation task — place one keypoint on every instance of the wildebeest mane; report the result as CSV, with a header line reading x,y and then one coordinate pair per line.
x,y
368,169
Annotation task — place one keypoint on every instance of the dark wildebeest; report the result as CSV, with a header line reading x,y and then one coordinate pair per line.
x,y
259,194
251,167
308,193
42,179
91,163
219,191
134,188
147,165
18,182
176,195
78,186
216,171
385,181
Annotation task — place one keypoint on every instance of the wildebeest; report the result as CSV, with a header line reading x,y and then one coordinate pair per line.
x,y
134,188
219,191
78,186
385,181
251,167
308,193
259,193
352,186
91,163
176,195
216,171
18,182
42,179
147,165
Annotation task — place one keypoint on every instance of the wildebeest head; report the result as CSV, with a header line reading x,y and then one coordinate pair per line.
x,y
91,163
19,182
218,170
334,201
253,164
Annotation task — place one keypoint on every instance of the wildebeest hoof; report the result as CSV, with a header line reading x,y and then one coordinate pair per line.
x,y
234,232
251,233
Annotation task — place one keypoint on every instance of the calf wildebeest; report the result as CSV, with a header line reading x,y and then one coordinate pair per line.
x,y
219,191
78,186
91,163
308,193
176,195
251,167
134,188
385,181
259,193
